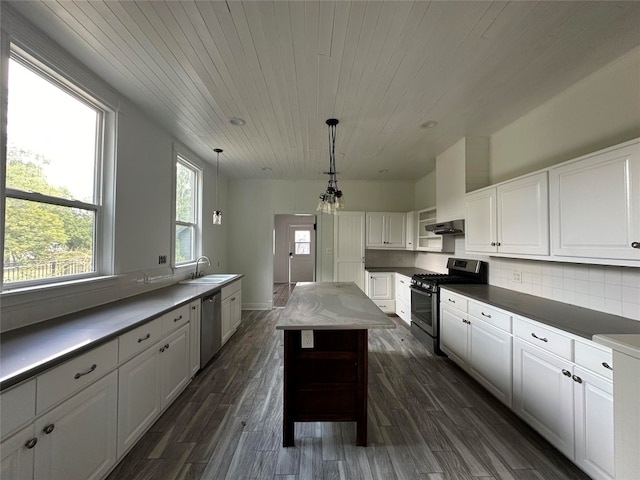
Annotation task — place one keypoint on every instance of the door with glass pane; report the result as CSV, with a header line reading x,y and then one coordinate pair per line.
x,y
302,248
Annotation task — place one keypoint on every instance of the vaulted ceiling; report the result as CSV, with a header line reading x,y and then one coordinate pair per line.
x,y
382,68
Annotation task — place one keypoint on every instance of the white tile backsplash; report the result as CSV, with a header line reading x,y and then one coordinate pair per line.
x,y
609,289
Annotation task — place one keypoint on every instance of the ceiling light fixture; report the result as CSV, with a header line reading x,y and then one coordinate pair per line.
x,y
332,199
238,122
429,124
217,214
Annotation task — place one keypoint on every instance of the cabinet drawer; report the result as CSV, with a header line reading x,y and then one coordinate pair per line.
x,y
595,358
231,289
139,339
544,337
387,306
490,315
175,319
453,300
74,375
17,407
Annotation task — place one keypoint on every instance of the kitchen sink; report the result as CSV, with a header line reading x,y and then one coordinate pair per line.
x,y
213,278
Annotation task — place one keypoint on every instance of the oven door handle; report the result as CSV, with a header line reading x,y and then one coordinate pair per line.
x,y
421,292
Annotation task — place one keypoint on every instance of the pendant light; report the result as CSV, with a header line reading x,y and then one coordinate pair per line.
x,y
331,200
217,214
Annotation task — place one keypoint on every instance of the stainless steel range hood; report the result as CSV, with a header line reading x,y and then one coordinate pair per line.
x,y
454,227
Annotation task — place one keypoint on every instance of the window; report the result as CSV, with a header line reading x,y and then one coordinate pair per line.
x,y
187,208
53,173
302,240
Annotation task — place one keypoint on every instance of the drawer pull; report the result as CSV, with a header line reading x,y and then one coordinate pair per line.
x,y
542,339
49,428
31,443
577,379
485,314
566,373
607,366
146,337
452,301
91,369
635,244
233,299
193,308
177,319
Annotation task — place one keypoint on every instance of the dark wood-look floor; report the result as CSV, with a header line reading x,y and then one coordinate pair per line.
x,y
427,421
281,293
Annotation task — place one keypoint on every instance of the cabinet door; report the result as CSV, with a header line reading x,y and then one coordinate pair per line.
x,y
595,205
194,329
403,292
16,455
491,359
543,394
236,310
454,335
380,286
348,248
395,230
593,399
138,397
480,223
227,320
174,365
523,216
375,226
410,231
81,443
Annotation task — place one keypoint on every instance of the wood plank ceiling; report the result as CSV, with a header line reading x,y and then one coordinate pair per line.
x,y
381,68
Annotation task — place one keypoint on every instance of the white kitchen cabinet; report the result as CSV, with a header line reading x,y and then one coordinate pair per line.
x,y
410,235
138,397
510,218
380,290
77,439
17,407
194,331
403,297
594,437
481,348
17,455
174,365
385,230
595,205
543,394
348,248
231,309
428,241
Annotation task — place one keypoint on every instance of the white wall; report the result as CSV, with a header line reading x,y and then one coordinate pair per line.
x,y
424,192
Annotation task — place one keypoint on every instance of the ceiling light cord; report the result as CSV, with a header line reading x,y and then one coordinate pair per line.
x,y
331,200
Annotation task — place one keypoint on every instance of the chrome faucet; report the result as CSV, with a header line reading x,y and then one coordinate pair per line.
x,y
203,257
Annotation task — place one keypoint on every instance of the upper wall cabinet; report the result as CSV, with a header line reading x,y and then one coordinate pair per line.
x,y
595,205
510,218
386,230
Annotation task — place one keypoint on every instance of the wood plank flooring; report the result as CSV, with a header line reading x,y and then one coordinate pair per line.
x,y
281,293
428,420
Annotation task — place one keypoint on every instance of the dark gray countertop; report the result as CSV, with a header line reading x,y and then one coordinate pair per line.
x,y
30,350
406,271
580,321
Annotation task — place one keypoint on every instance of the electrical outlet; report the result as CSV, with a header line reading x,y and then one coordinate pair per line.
x,y
307,338
517,277
162,259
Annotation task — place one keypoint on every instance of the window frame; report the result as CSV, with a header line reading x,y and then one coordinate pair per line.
x,y
184,160
57,78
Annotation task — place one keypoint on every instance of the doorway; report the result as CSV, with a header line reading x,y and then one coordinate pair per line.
x,y
294,254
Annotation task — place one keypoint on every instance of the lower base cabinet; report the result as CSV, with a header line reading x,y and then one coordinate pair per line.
x,y
231,310
17,454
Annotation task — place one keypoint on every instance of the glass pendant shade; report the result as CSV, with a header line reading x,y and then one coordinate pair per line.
x,y
217,217
331,200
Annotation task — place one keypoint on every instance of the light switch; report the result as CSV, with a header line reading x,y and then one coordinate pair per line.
x,y
307,338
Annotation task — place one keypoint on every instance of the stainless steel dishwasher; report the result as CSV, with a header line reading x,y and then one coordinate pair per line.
x,y
210,327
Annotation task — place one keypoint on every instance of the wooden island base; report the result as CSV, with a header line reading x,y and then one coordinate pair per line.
x,y
326,383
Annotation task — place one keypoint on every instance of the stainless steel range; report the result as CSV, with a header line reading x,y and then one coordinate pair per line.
x,y
425,297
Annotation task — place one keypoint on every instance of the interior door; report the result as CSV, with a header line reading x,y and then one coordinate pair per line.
x,y
302,247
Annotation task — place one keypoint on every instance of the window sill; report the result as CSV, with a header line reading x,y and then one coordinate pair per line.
x,y
52,287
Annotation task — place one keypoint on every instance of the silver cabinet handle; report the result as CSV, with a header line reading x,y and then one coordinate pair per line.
x,y
607,366
542,339
146,337
635,244
49,428
485,314
82,374
566,373
31,443
177,319
577,379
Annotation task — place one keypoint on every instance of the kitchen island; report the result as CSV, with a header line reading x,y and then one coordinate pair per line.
x,y
326,355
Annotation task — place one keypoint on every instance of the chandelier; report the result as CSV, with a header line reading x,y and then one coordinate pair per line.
x,y
332,199
217,214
